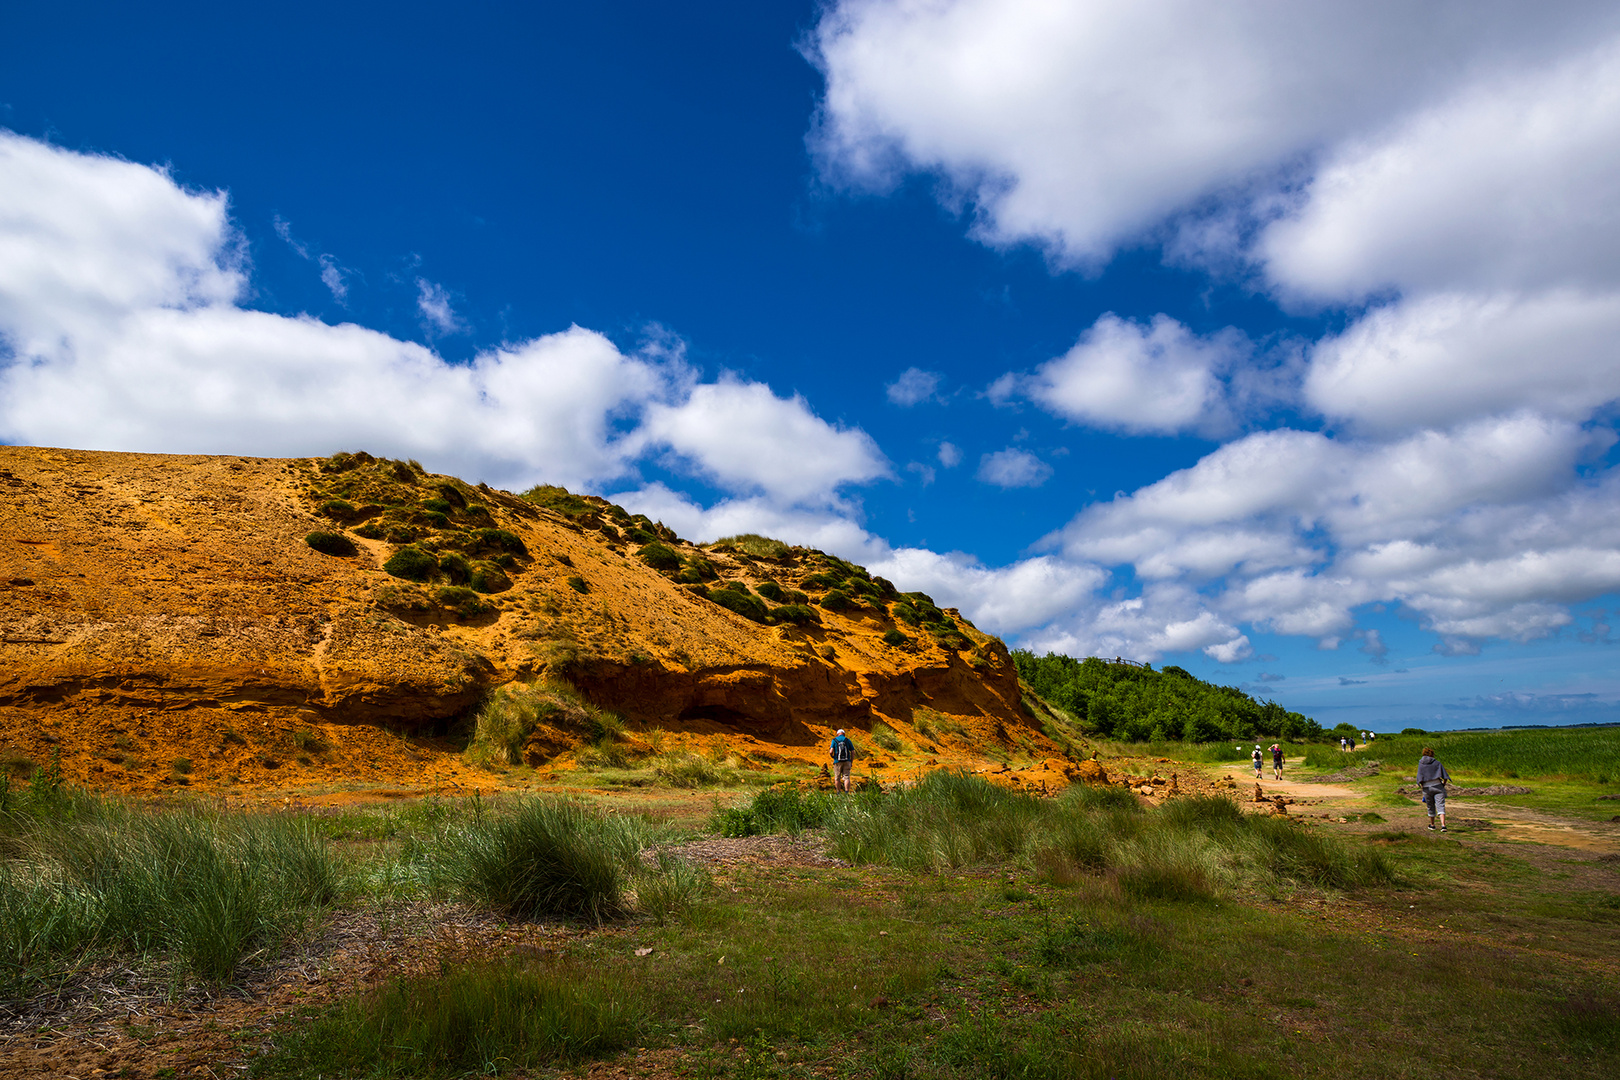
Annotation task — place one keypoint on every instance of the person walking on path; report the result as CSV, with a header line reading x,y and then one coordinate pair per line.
x,y
1432,779
1276,760
1259,762
843,755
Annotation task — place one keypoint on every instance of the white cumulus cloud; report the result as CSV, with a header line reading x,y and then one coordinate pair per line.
x,y
747,439
1154,378
1081,125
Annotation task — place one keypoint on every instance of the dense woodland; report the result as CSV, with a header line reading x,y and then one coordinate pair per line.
x,y
1121,700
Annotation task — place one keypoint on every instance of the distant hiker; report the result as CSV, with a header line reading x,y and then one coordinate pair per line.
x,y
1259,762
1432,779
843,755
1276,760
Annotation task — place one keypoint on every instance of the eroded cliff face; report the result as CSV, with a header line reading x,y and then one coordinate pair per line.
x,y
163,622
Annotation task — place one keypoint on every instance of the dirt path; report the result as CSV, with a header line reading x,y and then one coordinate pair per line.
x,y
1243,774
1519,824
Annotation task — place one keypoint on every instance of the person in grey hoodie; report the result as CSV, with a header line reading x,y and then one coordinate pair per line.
x,y
1432,779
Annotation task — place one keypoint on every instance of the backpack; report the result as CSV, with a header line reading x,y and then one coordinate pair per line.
x,y
843,749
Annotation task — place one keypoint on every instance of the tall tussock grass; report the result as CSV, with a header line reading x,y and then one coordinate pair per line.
x,y
202,890
1189,849
466,1021
545,858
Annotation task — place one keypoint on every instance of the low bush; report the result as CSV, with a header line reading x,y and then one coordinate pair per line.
x,y
328,543
1189,849
749,607
770,590
837,600
344,462
485,540
455,569
760,547
412,564
452,494
487,577
796,614
511,713
403,600
895,638
338,510
660,557
579,584
559,499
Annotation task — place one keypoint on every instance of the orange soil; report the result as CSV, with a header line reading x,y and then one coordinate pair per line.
x,y
162,613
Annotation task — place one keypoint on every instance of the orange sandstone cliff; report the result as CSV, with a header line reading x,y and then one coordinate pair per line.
x,y
166,622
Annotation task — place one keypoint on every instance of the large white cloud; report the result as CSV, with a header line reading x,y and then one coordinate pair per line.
x,y
1080,125
122,329
1509,184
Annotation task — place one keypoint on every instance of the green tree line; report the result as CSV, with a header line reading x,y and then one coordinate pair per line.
x,y
1125,701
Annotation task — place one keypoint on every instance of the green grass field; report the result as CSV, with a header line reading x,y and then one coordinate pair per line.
x,y
1591,755
971,932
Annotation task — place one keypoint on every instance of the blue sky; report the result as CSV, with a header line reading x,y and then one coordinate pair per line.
x,y
1279,346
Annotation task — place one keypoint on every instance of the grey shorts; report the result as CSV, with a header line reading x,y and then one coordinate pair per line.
x,y
841,769
1435,801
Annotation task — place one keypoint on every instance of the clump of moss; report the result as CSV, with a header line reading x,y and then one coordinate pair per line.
x,y
328,543
770,590
579,584
895,639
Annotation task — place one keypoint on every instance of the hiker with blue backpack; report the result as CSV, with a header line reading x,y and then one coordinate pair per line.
x,y
843,755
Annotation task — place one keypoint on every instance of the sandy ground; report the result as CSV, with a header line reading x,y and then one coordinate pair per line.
x,y
1243,774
